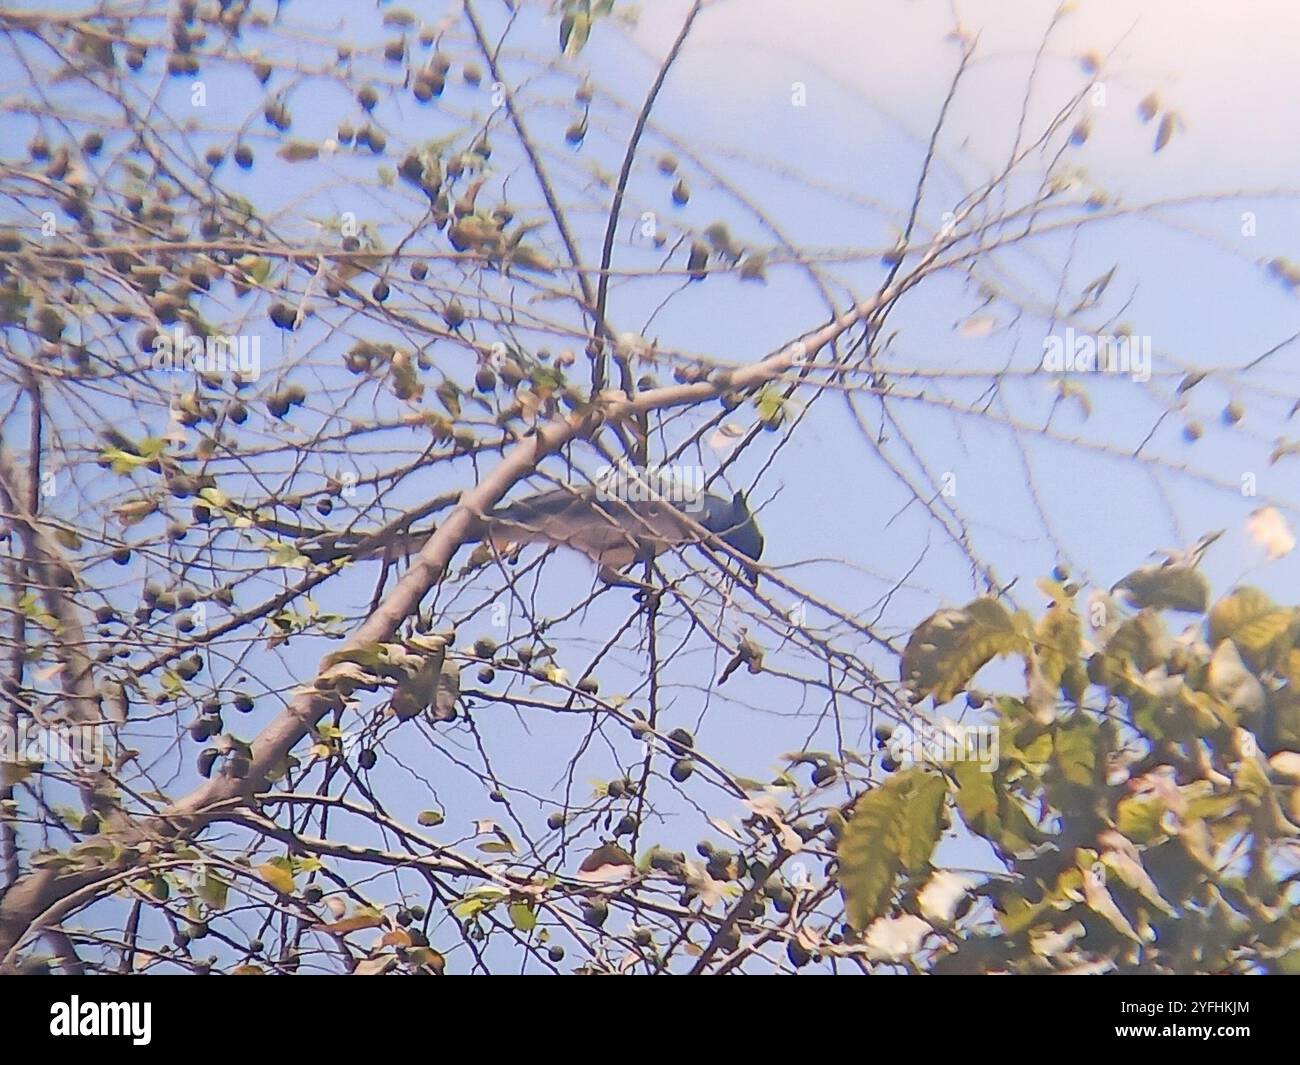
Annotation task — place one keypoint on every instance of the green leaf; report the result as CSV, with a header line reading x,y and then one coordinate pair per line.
x,y
988,810
1058,642
283,553
1075,751
894,829
523,916
1139,643
951,646
770,404
977,798
529,258
123,461
1251,620
213,890
1139,819
479,900
1168,588
256,269
215,496
575,29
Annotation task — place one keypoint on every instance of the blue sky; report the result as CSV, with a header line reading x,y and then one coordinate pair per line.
x,y
836,176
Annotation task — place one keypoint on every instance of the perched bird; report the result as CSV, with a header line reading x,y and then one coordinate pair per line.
x,y
735,524
615,533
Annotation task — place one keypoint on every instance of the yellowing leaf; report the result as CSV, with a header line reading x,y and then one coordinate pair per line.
x,y
279,874
298,152
951,646
134,510
358,921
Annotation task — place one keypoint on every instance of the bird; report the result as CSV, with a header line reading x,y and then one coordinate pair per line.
x,y
612,532
617,533
737,527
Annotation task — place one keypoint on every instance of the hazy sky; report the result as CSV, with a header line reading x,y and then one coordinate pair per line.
x,y
837,176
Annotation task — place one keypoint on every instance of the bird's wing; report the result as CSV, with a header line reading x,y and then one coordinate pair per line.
x,y
611,532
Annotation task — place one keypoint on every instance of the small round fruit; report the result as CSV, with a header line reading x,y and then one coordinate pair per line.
x,y
282,315
595,912
798,954
367,758
207,759
682,770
